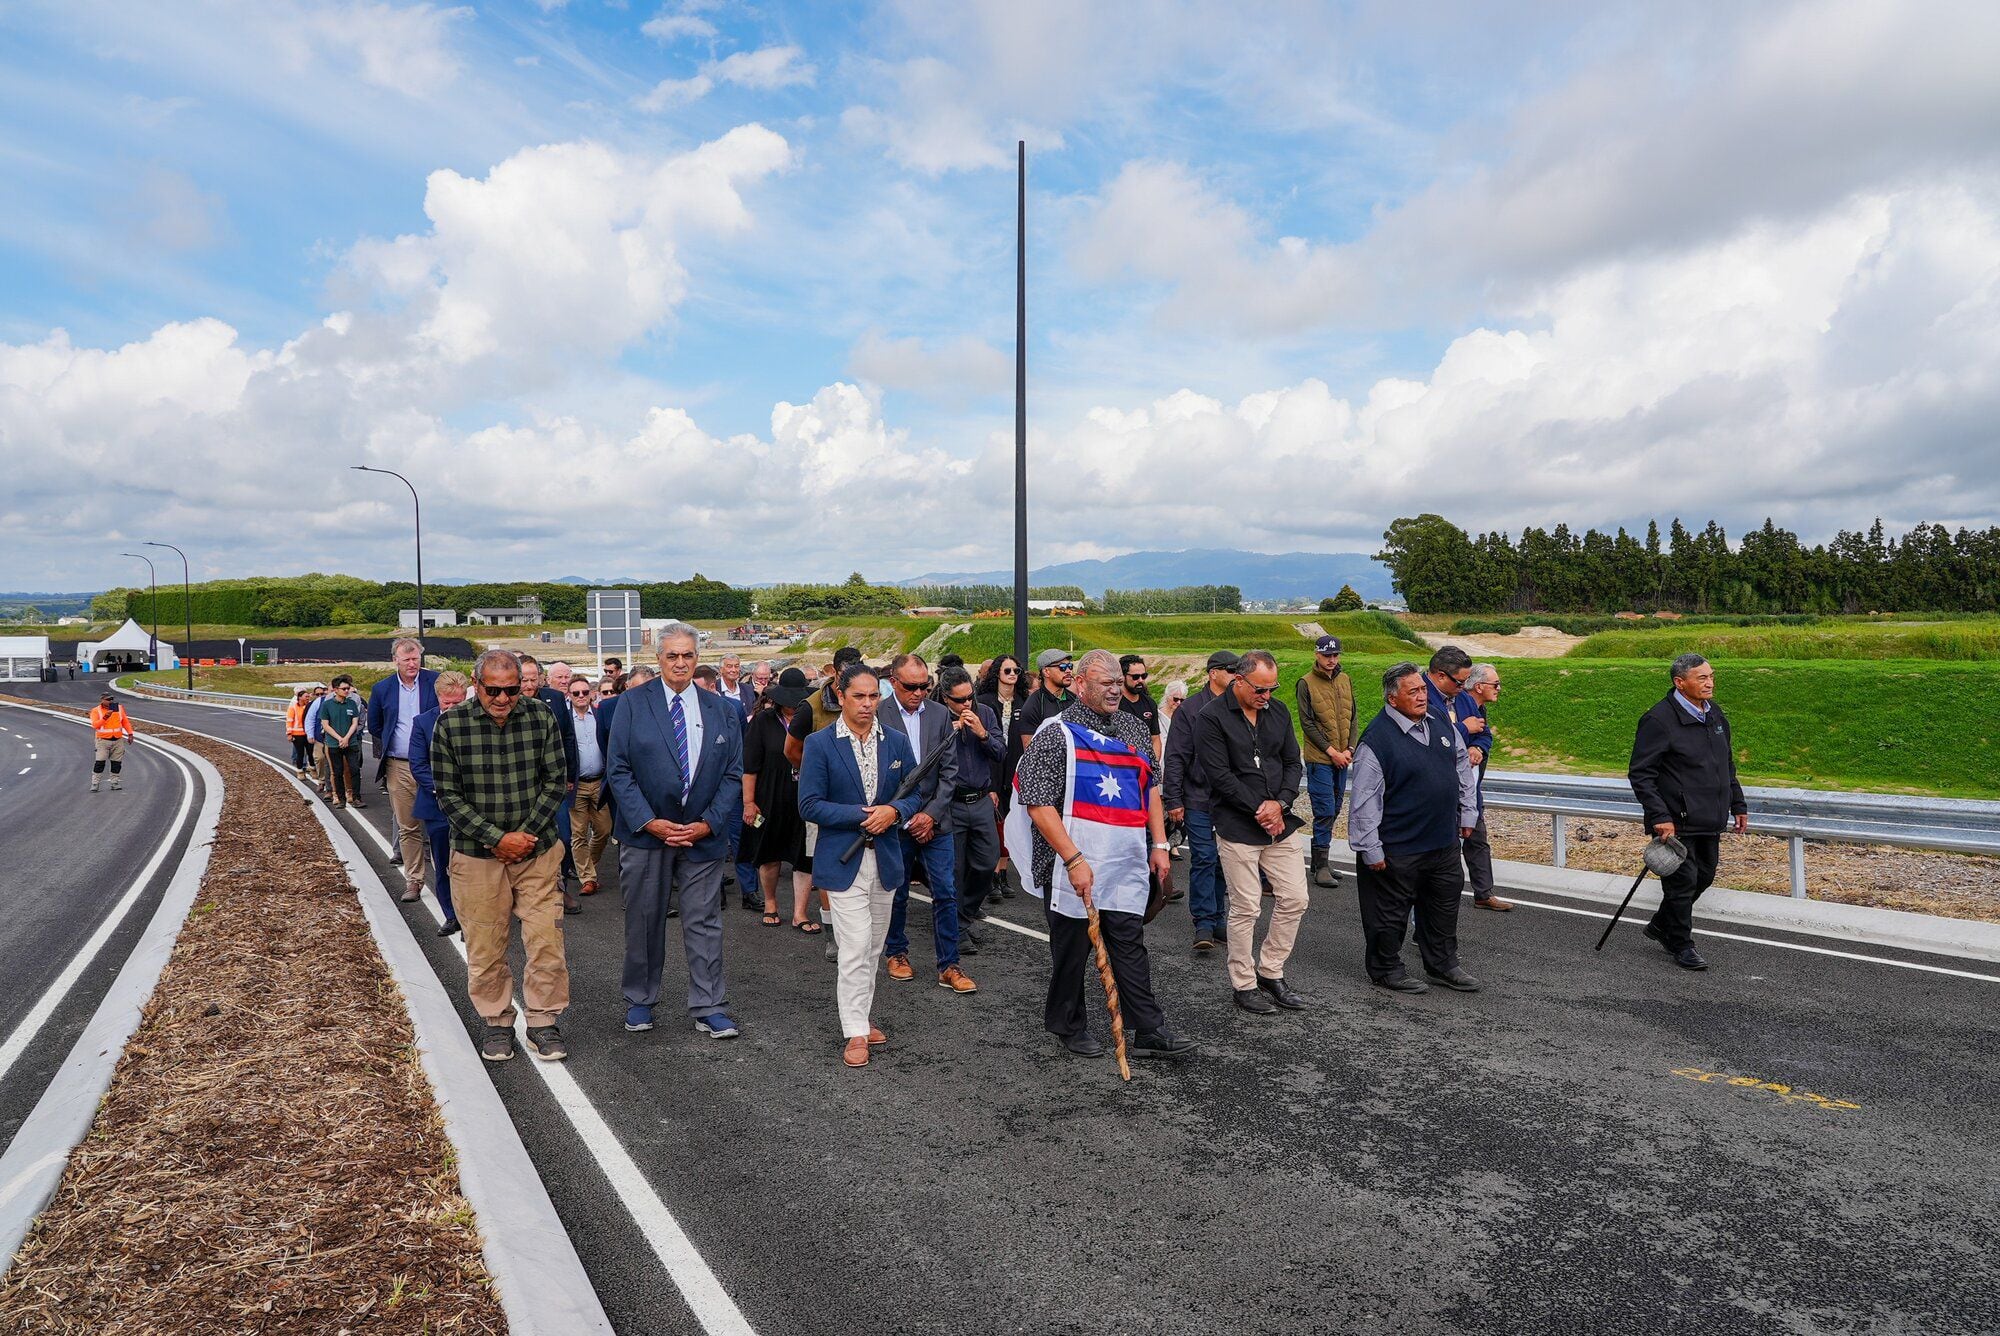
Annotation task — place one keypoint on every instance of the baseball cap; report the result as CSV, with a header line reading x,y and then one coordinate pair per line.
x,y
1327,644
1049,658
1223,658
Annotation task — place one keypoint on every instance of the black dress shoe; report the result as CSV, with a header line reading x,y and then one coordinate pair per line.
x,y
395,858
1652,930
1281,993
448,927
967,944
1161,1043
967,933
1403,983
1253,1001
1083,1044
1689,959
1455,979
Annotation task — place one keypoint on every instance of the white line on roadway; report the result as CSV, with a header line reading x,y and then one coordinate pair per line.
x,y
26,768
24,1033
710,1302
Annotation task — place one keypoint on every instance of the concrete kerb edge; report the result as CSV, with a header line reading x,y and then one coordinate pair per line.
x,y
536,1271
32,1168
1854,925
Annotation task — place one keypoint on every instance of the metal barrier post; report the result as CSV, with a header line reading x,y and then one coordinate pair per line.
x,y
1562,840
1798,861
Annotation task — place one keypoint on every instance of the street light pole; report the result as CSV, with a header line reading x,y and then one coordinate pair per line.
x,y
419,505
187,606
152,649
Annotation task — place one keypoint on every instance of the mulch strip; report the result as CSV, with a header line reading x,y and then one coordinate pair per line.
x,y
269,1157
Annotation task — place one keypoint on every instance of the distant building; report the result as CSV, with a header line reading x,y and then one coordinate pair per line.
x,y
433,618
1051,604
72,621
529,613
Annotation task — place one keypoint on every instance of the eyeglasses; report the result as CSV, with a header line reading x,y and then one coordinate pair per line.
x,y
1257,691
500,691
1064,667
914,688
579,691
1135,677
959,700
1010,672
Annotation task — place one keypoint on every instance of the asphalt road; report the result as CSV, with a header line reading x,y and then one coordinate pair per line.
x,y
67,857
1594,1143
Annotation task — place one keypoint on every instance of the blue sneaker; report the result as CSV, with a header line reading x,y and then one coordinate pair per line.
x,y
716,1025
638,1019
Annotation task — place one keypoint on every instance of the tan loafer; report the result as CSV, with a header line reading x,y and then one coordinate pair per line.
x,y
876,1039
856,1052
899,969
1495,903
956,980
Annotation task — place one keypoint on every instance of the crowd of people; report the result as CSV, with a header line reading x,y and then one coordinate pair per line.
x,y
1065,780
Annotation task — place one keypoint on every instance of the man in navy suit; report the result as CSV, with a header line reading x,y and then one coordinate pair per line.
x,y
862,889
549,687
927,839
639,676
452,689
393,706
676,766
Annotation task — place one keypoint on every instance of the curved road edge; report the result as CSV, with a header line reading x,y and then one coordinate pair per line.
x,y
32,1167
536,1270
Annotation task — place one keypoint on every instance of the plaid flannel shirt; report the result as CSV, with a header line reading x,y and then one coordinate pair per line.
x,y
492,780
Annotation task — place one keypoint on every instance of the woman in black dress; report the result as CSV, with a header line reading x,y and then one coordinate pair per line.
x,y
777,834
1000,691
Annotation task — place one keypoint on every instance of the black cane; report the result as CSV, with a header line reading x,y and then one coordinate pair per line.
x,y
1643,870
911,783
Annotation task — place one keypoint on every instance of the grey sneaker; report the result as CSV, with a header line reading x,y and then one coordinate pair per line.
x,y
498,1045
547,1041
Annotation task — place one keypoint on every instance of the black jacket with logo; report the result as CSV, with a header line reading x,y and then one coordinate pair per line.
x,y
1684,770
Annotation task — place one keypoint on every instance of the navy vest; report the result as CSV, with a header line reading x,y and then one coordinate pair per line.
x,y
1419,786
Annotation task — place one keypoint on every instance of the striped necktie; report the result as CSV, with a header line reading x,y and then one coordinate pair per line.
x,y
681,745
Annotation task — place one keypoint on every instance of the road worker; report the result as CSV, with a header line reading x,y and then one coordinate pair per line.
x,y
113,729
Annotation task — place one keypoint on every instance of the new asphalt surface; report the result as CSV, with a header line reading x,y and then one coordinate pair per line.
x,y
1791,1142
67,858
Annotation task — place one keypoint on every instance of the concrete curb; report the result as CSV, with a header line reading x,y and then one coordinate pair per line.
x,y
1853,925
33,1166
536,1271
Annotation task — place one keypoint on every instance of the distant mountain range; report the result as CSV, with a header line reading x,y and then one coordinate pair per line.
x,y
1260,575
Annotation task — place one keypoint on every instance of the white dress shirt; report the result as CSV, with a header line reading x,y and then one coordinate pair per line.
x,y
913,727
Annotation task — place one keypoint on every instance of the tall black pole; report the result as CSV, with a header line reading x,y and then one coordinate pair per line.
x,y
1021,412
187,607
153,646
414,501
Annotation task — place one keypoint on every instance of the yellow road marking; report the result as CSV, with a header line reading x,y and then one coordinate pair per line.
x,y
1778,1088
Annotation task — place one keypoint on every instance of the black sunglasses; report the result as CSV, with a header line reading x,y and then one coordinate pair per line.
x,y
1135,677
1257,691
960,700
917,688
500,691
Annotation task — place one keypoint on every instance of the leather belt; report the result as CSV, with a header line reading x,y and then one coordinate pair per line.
x,y
968,795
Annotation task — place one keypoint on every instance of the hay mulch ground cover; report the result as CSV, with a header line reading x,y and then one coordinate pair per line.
x,y
269,1157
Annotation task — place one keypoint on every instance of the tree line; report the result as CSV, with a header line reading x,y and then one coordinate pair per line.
x,y
855,597
345,600
1439,567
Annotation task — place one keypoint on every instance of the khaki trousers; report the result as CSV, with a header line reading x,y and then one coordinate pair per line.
x,y
488,894
589,827
1284,865
410,836
109,749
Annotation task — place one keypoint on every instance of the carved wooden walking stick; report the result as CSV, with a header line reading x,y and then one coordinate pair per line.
x,y
1110,985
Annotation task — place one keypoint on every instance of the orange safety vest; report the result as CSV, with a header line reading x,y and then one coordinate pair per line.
x,y
110,723
295,719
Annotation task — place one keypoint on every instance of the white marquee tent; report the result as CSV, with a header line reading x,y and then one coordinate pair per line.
x,y
126,647
22,658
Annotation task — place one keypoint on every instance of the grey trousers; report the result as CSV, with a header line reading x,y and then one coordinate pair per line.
x,y
646,876
1478,851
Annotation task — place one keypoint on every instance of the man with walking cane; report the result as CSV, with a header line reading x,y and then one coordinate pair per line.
x,y
1086,803
1683,773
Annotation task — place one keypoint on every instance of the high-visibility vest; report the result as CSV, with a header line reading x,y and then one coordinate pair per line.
x,y
295,719
111,723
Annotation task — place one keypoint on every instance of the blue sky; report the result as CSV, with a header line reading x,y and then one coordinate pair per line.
x,y
736,281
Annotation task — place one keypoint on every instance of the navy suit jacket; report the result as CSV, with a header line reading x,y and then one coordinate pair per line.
x,y
421,732
934,719
645,778
745,696
384,700
831,797
566,721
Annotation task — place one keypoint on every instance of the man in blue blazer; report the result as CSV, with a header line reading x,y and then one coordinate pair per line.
x,y
393,706
675,765
862,889
451,693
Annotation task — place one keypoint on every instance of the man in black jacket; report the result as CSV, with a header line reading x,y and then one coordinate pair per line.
x,y
1253,767
1683,773
1185,792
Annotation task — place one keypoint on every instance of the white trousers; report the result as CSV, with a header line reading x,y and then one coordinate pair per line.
x,y
860,927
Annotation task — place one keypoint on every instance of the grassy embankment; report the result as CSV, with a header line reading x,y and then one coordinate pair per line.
x,y
1960,640
263,681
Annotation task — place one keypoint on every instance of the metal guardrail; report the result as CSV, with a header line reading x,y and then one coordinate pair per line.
x,y
1957,825
276,704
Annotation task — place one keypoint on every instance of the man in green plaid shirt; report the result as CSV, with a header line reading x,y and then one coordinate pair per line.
x,y
500,777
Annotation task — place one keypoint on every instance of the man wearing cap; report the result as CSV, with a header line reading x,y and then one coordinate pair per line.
x,y
1054,670
113,729
1327,717
1412,802
1184,790
1683,773
1448,683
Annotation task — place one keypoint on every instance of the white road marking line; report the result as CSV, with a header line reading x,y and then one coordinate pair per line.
x,y
710,1302
996,922
1787,946
38,1016
26,768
